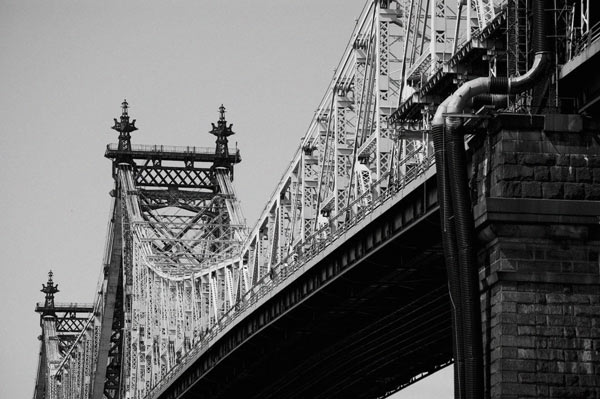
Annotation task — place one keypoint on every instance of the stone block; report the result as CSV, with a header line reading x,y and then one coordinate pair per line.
x,y
578,160
506,158
526,319
596,175
592,191
562,160
518,365
583,326
519,297
562,174
508,329
542,391
555,379
549,331
517,252
560,342
583,175
555,297
528,146
541,173
589,356
571,393
523,353
539,266
507,189
508,145
584,267
587,310
574,191
571,355
514,172
531,378
550,354
589,380
564,254
552,190
521,390
526,330
531,189
594,161
554,309
503,352
568,232
535,159
525,342
570,332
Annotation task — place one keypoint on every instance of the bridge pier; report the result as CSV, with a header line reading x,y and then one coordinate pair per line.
x,y
536,188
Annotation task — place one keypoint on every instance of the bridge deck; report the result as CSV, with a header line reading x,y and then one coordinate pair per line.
x,y
383,284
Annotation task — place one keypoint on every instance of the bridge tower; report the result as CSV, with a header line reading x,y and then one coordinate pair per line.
x,y
183,195
61,324
174,217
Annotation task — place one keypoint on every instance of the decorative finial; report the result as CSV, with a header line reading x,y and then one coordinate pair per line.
x,y
124,106
124,127
222,131
49,289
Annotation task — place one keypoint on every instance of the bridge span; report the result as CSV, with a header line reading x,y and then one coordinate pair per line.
x,y
387,251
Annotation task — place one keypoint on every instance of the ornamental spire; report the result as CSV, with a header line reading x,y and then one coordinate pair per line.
x,y
124,127
222,131
49,289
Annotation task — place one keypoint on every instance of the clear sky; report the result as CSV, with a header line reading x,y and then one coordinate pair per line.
x,y
65,67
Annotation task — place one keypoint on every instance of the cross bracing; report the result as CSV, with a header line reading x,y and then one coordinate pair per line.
x,y
180,265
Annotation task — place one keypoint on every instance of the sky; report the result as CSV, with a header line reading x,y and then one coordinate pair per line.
x,y
65,68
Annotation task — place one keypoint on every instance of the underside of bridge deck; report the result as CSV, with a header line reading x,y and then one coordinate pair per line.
x,y
367,331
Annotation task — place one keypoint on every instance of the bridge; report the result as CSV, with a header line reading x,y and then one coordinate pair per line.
x,y
442,208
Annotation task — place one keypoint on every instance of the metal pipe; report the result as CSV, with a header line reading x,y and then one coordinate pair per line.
x,y
453,174
496,100
450,249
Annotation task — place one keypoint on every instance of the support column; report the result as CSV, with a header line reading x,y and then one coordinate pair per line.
x,y
537,186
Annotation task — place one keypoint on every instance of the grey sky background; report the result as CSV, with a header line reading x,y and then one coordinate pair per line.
x,y
65,67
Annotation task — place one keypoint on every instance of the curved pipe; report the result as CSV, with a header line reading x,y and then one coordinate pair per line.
x,y
496,100
452,162
493,85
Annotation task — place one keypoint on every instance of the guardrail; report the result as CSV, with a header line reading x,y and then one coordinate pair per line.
x,y
169,149
586,40
305,252
60,306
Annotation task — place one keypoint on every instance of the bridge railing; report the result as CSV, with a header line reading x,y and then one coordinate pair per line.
x,y
586,40
170,149
164,148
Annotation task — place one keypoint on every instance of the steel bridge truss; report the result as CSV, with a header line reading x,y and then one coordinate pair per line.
x,y
180,264
165,283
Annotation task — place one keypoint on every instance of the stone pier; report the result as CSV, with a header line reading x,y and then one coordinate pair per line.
x,y
536,189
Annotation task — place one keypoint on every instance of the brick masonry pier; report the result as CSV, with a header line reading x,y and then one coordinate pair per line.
x,y
536,189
